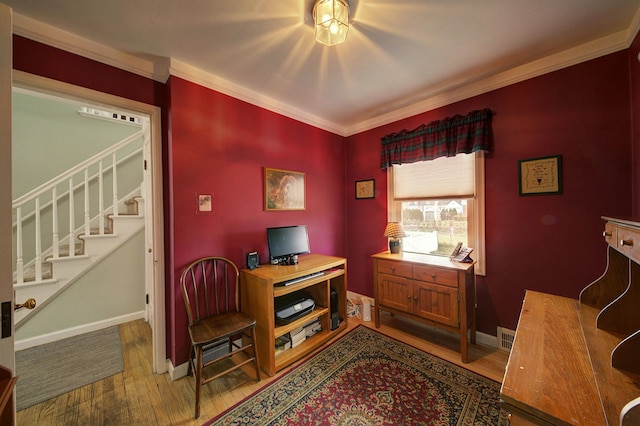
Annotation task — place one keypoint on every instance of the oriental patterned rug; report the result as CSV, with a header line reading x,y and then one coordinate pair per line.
x,y
367,378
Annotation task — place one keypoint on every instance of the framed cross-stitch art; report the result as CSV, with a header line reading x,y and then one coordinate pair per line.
x,y
365,189
541,175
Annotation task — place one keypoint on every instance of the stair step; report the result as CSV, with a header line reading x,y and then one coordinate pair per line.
x,y
60,271
132,205
33,283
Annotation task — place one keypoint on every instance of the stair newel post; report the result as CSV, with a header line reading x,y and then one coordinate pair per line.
x,y
72,219
114,176
19,254
54,219
100,198
38,242
87,213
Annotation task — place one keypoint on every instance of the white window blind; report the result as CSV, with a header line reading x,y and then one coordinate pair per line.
x,y
444,177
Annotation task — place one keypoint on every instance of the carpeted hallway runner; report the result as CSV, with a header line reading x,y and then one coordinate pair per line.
x,y
367,378
55,368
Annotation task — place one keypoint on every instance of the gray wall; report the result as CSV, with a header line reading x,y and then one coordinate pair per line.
x,y
106,291
49,136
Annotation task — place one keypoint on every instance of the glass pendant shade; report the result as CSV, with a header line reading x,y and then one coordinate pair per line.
x,y
331,21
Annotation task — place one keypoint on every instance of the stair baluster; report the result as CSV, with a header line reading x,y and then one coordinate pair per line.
x,y
72,219
54,217
19,254
114,177
100,198
38,242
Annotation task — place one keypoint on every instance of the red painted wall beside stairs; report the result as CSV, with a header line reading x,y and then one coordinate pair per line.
x,y
219,145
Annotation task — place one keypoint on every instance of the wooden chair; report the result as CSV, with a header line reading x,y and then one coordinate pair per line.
x,y
210,292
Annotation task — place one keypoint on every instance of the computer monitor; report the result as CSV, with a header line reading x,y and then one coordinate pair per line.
x,y
287,242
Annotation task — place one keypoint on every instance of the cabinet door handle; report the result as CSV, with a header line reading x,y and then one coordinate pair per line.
x,y
393,269
415,299
626,243
433,276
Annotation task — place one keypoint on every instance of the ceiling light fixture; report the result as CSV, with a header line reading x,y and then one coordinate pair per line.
x,y
331,19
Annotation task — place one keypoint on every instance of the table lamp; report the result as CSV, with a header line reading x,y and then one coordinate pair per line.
x,y
394,231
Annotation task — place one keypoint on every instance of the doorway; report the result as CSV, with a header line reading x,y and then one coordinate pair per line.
x,y
152,189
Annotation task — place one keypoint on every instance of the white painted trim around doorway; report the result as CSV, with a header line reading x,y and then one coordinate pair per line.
x,y
65,90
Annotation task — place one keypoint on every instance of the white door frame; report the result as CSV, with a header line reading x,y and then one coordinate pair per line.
x,y
154,212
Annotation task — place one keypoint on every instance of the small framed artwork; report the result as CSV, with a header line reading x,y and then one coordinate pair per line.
x,y
284,190
541,175
204,202
365,189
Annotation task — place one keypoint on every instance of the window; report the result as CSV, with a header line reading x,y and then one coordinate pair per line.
x,y
440,203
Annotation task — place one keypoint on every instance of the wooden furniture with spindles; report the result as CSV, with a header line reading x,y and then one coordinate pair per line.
x,y
577,361
431,289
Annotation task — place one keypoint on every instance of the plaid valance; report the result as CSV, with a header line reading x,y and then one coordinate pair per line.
x,y
440,138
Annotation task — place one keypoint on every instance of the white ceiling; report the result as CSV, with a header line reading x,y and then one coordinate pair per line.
x,y
400,57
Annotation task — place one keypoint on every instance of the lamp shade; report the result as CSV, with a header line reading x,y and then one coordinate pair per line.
x,y
332,21
394,230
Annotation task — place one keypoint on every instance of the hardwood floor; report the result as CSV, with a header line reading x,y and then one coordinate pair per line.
x,y
138,397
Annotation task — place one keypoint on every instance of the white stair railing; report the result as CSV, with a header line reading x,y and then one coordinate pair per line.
x,y
46,201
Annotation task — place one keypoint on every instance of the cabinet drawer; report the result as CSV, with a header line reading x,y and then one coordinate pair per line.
x,y
610,233
629,242
394,268
435,275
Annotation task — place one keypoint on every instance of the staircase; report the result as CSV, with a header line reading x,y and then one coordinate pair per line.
x,y
53,209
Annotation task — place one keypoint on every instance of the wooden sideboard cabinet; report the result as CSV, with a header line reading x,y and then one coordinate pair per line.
x,y
261,287
430,289
577,361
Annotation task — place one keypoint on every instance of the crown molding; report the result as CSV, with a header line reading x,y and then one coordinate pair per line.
x,y
55,37
448,95
162,68
203,78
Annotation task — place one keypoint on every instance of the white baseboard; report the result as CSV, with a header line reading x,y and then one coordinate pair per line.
x,y
177,372
481,338
75,331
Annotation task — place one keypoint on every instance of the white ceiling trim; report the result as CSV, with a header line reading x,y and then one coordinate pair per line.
x,y
449,95
53,36
211,81
160,71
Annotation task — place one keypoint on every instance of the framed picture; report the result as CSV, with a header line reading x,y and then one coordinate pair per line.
x,y
204,203
365,189
540,175
283,190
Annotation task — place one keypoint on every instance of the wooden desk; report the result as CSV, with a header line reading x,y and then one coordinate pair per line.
x,y
577,362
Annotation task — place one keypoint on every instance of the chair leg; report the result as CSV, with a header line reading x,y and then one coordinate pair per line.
x,y
255,354
190,364
198,378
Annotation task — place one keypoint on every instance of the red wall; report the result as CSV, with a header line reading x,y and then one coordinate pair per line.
x,y
219,145
56,64
634,65
549,243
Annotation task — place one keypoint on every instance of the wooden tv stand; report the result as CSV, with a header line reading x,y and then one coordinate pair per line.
x,y
577,362
261,286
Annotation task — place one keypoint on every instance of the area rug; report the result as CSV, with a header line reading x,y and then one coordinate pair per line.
x,y
56,368
367,378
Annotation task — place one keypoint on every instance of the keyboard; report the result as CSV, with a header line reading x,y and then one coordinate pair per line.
x,y
302,278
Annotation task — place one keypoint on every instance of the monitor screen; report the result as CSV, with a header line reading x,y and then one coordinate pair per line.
x,y
287,241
